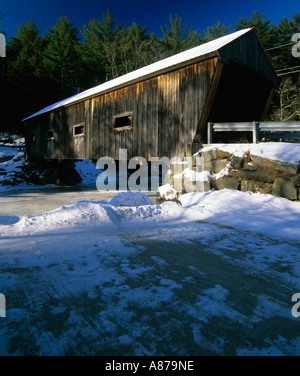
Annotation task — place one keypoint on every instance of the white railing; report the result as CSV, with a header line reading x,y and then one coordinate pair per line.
x,y
271,129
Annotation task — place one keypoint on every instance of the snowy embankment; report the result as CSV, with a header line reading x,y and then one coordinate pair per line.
x,y
263,214
260,213
285,152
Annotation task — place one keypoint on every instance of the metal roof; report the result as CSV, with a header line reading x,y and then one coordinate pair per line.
x,y
189,56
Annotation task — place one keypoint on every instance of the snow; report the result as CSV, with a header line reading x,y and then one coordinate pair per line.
x,y
279,151
243,211
11,162
142,279
167,192
246,211
87,171
130,199
148,70
192,175
201,276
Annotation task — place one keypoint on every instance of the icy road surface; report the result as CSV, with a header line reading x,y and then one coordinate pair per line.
x,y
198,279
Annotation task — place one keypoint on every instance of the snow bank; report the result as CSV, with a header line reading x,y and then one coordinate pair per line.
x,y
130,199
254,212
245,211
280,151
82,213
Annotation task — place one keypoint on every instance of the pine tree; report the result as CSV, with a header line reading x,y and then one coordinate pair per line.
x,y
25,51
215,31
280,53
136,48
21,75
62,58
99,47
286,99
262,27
109,32
91,50
175,38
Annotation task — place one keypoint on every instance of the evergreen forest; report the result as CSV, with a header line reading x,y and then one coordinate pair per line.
x,y
40,69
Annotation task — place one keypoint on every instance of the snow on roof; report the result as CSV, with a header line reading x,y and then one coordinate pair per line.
x,y
148,70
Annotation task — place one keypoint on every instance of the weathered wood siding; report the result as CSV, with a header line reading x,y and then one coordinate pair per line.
x,y
167,110
165,115
248,51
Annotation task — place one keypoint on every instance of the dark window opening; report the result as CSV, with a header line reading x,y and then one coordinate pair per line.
x,y
123,123
78,130
50,135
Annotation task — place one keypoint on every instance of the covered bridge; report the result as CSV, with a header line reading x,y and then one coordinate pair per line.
x,y
161,109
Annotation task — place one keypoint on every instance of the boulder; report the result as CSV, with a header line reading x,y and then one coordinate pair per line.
x,y
215,166
223,154
236,162
166,193
195,186
284,188
226,181
263,174
256,186
296,181
249,167
209,155
275,165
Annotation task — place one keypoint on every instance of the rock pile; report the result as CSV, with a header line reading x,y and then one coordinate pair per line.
x,y
252,173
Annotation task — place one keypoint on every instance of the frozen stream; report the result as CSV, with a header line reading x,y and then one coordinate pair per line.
x,y
141,282
20,202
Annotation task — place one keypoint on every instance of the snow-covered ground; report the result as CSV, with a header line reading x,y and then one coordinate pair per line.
x,y
11,162
213,274
126,277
